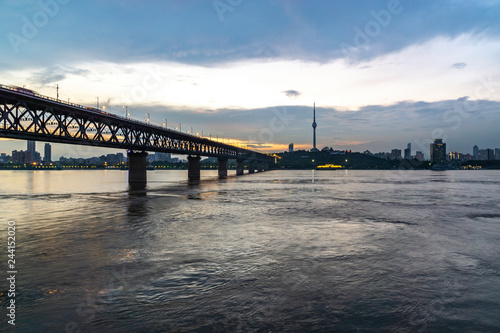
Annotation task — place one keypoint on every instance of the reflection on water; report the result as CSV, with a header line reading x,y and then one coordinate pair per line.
x,y
276,251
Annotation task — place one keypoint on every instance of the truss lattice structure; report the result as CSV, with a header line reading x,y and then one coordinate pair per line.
x,y
29,116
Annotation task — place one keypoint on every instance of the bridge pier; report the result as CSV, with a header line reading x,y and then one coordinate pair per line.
x,y
239,167
222,167
251,166
194,166
137,168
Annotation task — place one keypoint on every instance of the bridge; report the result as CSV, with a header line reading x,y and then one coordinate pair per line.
x,y
27,115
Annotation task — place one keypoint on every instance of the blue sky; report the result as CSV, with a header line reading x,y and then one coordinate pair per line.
x,y
382,73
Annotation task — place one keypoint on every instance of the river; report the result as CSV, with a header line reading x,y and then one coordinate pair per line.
x,y
280,251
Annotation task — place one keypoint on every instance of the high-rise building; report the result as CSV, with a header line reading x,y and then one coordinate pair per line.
x,y
31,146
475,152
419,156
482,154
438,151
490,153
161,157
314,125
396,154
47,156
408,151
497,153
290,148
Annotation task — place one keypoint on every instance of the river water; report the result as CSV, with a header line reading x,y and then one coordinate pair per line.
x,y
281,251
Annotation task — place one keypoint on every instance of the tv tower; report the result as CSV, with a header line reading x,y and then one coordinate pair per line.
x,y
314,128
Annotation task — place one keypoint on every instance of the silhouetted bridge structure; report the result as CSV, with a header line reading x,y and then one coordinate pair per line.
x,y
27,115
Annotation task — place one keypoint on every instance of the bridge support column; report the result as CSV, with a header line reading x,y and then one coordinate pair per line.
x,y
137,168
194,167
222,167
239,167
251,166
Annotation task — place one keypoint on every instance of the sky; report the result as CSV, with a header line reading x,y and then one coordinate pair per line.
x,y
382,73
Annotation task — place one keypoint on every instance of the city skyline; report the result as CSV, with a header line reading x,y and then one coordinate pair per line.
x,y
373,76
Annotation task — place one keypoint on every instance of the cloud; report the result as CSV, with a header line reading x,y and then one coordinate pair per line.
x,y
187,33
55,74
291,93
459,65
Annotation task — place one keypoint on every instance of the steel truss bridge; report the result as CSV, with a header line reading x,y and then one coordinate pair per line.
x,y
27,115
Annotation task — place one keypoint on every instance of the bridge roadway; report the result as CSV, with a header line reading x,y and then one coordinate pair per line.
x,y
27,115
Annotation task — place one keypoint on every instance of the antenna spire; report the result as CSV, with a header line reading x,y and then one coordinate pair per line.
x,y
314,125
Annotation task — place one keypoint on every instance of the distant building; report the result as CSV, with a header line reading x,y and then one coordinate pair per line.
x,y
290,148
382,155
4,158
31,146
211,160
17,157
408,151
121,157
490,153
419,156
486,154
475,152
161,157
497,153
25,157
396,154
438,151
47,156
455,156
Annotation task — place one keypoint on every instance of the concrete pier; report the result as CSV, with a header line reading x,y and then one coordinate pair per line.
x,y
194,166
239,167
222,167
137,168
251,166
